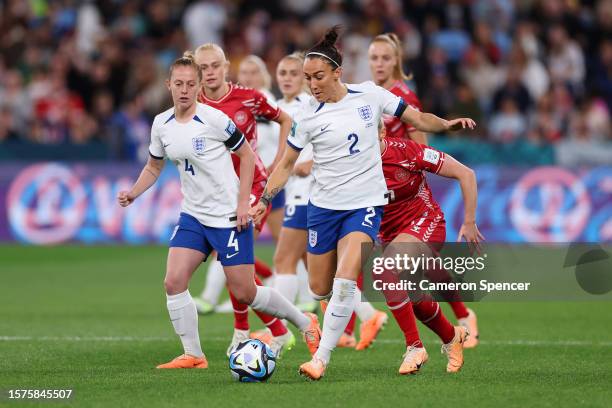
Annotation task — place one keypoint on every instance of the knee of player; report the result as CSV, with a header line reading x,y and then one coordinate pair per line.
x,y
243,294
319,291
174,285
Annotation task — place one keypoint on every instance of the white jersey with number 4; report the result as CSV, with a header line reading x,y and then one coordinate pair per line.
x,y
347,164
200,149
297,189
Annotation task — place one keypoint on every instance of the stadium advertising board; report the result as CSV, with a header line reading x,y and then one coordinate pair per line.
x,y
52,203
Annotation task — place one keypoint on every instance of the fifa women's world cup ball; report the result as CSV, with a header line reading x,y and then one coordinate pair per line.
x,y
252,361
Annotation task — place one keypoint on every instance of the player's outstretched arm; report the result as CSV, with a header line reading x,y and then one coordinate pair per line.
x,y
276,182
247,166
148,176
428,122
285,122
467,180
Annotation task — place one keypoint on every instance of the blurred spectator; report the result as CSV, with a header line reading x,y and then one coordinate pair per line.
x,y
514,89
481,75
203,22
93,71
565,59
130,133
546,124
508,124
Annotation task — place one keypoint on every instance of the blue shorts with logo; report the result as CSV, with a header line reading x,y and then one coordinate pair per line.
x,y
278,201
296,216
326,227
233,247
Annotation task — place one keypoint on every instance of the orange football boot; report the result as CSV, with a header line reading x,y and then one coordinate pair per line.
x,y
370,329
186,361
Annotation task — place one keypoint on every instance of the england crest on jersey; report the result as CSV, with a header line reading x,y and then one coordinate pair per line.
x,y
312,237
365,112
198,145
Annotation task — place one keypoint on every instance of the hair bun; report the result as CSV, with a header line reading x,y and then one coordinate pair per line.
x,y
331,36
188,54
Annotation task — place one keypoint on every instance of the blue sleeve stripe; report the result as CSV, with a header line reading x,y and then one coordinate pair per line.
x,y
294,147
400,109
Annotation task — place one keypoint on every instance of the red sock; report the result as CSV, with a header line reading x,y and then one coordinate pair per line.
x,y
404,316
360,281
350,327
459,309
430,314
241,313
262,269
276,326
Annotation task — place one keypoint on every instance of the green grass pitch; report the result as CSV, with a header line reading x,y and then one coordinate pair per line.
x,y
93,319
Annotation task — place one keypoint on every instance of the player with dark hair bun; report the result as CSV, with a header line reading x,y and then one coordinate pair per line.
x,y
349,192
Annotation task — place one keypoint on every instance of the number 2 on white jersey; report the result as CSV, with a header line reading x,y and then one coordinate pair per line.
x,y
355,138
367,222
233,241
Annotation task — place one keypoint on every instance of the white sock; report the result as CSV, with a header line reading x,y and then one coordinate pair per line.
x,y
287,285
303,285
270,301
337,316
184,317
215,282
364,309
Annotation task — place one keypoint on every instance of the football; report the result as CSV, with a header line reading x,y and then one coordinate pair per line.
x,y
252,361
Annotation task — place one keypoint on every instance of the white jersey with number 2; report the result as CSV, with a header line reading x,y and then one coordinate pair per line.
x,y
347,166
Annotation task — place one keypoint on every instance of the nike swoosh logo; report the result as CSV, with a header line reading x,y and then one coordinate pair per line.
x,y
166,145
324,128
287,218
335,315
228,256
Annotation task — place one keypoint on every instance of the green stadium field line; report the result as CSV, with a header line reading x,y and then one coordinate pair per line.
x,y
538,343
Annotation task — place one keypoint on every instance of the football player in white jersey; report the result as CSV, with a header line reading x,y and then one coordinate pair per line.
x,y
349,191
290,254
198,139
253,73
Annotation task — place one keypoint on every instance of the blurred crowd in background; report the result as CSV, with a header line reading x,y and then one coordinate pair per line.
x,y
535,74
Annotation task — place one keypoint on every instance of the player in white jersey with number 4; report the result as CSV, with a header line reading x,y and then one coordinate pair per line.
x,y
198,139
349,191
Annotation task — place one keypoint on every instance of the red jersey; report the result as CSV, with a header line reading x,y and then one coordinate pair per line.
x,y
242,104
394,127
411,207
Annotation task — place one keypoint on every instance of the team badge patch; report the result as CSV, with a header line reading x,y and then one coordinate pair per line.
x,y
230,129
312,237
365,112
431,156
198,145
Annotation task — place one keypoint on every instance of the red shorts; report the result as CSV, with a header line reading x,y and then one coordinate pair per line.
x,y
256,192
430,227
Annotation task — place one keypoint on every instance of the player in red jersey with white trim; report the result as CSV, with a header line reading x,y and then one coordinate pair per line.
x,y
414,217
243,105
385,57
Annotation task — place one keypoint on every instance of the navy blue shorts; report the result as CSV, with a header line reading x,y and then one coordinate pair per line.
x,y
327,227
233,247
296,216
278,201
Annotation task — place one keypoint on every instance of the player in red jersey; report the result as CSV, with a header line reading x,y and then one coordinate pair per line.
x,y
242,105
414,217
385,57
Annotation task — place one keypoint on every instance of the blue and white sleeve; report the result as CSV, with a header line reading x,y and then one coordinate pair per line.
x,y
391,104
227,131
156,147
298,136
